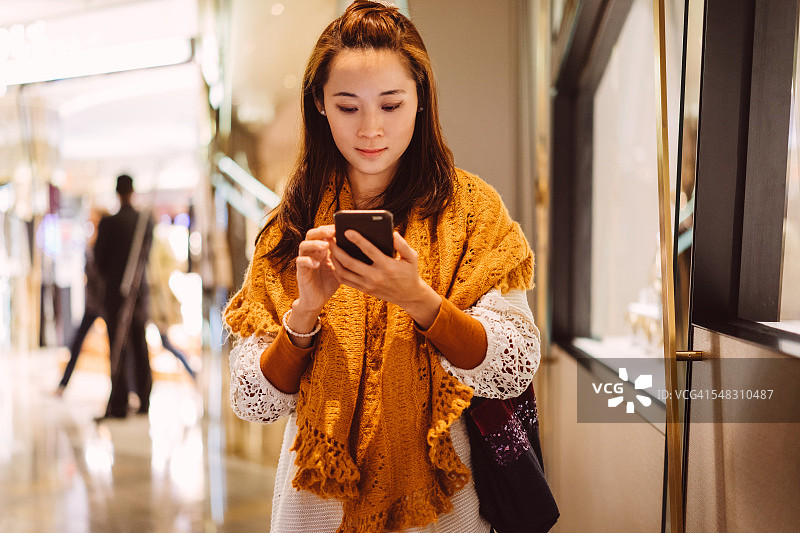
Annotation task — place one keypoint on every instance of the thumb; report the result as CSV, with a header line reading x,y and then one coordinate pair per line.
x,y
402,247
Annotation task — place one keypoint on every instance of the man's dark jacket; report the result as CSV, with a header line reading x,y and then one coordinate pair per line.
x,y
114,240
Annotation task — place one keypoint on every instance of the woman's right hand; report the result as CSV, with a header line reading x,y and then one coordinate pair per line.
x,y
316,280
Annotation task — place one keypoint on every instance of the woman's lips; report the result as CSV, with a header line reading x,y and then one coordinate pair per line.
x,y
371,152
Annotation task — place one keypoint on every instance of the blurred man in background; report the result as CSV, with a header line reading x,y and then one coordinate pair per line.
x,y
123,244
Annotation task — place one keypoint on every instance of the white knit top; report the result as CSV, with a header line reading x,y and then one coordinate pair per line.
x,y
512,358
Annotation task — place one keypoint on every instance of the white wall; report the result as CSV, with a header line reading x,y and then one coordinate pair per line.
x,y
473,47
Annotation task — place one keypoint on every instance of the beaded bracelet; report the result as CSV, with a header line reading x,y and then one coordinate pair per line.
x,y
300,335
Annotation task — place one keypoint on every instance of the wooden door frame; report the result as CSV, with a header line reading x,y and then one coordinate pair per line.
x,y
741,161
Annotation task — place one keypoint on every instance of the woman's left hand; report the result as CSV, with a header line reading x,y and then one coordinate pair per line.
x,y
393,279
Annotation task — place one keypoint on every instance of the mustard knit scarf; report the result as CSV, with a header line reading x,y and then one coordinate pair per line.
x,y
375,405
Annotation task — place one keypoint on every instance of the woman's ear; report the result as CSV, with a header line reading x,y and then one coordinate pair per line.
x,y
320,106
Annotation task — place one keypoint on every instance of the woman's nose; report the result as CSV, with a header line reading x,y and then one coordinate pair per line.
x,y
371,125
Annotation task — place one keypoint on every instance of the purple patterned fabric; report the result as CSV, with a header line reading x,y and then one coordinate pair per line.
x,y
508,443
511,440
527,414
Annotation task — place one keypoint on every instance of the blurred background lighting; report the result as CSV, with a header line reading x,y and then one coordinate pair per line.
x,y
182,219
103,60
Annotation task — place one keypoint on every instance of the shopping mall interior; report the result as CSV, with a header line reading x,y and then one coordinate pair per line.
x,y
586,116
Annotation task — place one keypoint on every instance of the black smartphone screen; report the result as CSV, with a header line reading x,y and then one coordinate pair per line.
x,y
376,226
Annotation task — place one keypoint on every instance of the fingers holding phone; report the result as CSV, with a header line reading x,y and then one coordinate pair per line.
x,y
393,279
316,279
375,226
358,251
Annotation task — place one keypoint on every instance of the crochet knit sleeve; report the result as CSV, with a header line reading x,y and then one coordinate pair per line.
x,y
513,352
253,397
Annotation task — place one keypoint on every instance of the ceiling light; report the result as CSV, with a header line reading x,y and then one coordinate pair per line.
x,y
108,59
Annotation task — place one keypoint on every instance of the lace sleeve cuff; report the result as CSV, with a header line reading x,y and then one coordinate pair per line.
x,y
253,397
513,352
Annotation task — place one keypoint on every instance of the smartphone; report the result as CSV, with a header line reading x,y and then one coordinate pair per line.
x,y
377,226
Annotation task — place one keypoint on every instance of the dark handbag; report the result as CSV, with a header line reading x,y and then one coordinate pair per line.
x,y
507,464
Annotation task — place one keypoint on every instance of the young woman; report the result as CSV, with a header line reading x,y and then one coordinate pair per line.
x,y
374,364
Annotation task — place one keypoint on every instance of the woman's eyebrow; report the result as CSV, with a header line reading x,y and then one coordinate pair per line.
x,y
384,93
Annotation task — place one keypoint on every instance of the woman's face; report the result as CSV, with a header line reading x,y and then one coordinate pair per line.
x,y
370,100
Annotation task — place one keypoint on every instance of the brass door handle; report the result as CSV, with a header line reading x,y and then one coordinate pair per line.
x,y
689,355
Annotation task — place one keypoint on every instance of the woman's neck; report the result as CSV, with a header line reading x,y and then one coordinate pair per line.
x,y
364,195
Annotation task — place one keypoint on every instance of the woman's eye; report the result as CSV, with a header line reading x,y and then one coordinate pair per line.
x,y
387,107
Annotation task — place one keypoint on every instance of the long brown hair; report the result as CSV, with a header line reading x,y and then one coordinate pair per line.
x,y
425,174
